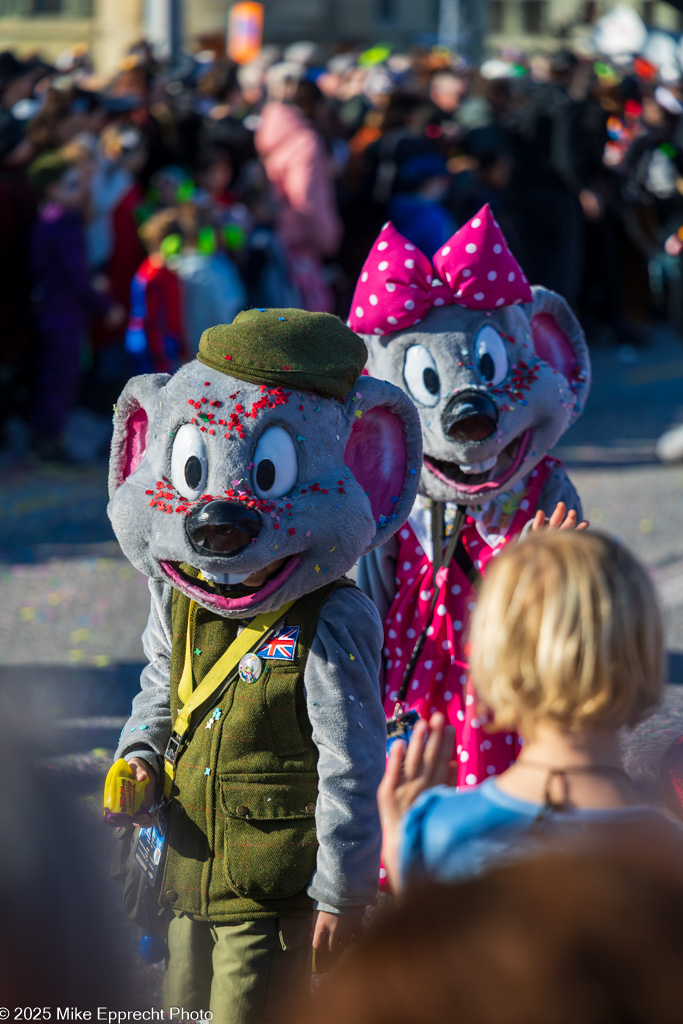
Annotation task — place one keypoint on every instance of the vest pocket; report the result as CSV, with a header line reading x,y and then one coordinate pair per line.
x,y
281,685
270,846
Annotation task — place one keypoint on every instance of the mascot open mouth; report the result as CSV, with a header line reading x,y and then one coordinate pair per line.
x,y
217,595
506,465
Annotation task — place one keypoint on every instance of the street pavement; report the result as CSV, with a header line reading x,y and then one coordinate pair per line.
x,y
610,455
72,609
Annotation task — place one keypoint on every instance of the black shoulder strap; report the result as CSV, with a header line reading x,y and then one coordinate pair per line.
x,y
440,559
465,563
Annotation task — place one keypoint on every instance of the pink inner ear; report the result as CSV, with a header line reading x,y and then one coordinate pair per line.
x,y
137,439
552,344
376,455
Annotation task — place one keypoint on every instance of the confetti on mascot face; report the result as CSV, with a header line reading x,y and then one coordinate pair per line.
x,y
264,453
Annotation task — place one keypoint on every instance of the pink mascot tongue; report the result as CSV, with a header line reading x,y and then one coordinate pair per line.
x,y
398,285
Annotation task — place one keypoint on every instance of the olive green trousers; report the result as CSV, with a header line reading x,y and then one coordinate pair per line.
x,y
243,973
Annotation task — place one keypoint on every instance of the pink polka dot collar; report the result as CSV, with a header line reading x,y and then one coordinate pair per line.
x,y
398,285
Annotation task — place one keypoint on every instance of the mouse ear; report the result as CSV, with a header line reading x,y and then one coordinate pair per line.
x,y
132,415
384,451
559,340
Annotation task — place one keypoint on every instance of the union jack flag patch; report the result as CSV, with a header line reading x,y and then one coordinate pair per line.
x,y
281,647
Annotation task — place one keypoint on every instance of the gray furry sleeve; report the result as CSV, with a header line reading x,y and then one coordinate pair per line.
x,y
146,732
558,487
349,730
377,575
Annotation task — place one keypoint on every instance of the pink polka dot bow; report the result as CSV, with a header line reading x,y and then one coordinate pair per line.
x,y
398,285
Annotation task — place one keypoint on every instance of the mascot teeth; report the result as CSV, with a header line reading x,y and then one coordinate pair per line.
x,y
226,577
479,467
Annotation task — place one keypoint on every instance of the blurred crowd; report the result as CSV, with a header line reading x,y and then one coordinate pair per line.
x,y
137,211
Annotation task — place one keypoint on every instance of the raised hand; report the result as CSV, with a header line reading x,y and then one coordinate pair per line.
x,y
425,763
559,520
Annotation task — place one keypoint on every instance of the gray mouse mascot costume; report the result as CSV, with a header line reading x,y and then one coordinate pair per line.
x,y
245,486
498,371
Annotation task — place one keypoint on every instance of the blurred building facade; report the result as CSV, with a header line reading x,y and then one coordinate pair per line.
x,y
109,26
49,27
540,24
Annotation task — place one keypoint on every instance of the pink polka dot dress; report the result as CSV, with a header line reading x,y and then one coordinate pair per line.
x,y
441,680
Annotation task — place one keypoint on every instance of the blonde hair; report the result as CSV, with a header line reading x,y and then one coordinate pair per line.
x,y
568,629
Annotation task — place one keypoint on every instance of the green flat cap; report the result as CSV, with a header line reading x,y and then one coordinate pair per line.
x,y
290,347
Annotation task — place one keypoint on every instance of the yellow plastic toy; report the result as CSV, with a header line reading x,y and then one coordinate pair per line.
x,y
123,794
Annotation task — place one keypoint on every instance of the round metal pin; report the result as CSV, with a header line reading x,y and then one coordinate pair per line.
x,y
251,668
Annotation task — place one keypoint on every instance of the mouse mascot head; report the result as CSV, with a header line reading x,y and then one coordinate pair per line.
x,y
498,369
265,457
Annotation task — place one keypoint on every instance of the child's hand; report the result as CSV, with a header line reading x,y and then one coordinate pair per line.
x,y
332,933
557,520
142,770
409,772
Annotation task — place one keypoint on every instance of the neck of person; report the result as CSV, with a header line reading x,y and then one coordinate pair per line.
x,y
581,768
551,745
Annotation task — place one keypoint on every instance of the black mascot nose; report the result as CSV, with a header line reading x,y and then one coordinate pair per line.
x,y
222,528
469,416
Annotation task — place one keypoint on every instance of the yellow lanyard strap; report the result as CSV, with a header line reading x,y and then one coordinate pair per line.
x,y
214,678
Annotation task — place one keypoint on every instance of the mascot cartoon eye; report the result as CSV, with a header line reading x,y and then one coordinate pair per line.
x,y
421,375
189,466
275,464
491,356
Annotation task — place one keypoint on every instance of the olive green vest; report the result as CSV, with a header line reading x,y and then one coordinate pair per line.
x,y
241,840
